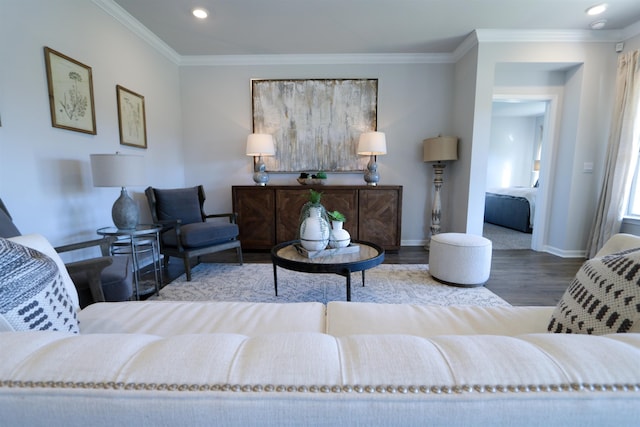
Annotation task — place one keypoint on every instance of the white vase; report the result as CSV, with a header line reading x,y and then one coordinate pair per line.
x,y
340,238
314,231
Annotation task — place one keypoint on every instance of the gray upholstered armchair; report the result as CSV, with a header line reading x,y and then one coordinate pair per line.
x,y
187,231
99,279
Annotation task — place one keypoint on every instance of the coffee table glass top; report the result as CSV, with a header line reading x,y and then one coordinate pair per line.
x,y
288,251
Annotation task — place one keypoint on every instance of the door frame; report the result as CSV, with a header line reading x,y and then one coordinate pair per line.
x,y
549,142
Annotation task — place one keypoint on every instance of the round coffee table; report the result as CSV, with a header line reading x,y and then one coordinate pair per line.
x,y
286,255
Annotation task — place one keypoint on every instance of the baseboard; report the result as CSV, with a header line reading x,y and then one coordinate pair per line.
x,y
564,253
413,242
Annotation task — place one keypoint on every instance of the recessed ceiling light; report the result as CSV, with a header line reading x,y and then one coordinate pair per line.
x,y
200,13
597,9
599,24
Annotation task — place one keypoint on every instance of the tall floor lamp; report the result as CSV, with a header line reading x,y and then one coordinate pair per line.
x,y
438,150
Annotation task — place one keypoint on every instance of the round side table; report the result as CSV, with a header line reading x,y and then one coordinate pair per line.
x,y
135,242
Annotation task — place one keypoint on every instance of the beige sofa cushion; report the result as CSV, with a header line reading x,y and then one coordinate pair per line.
x,y
348,318
168,318
311,378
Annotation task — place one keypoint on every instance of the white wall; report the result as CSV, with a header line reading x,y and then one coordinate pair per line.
x,y
511,150
45,177
414,103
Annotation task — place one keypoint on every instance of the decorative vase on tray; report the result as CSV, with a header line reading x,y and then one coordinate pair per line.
x,y
340,238
314,228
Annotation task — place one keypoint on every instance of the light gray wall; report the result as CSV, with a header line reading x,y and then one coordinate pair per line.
x,y
414,103
461,185
45,177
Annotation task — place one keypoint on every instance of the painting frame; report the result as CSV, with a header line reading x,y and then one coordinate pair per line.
x,y
132,122
316,123
70,88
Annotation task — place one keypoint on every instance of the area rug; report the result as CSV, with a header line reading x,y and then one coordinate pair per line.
x,y
505,238
386,283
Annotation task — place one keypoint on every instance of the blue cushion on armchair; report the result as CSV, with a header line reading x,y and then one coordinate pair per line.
x,y
201,234
178,203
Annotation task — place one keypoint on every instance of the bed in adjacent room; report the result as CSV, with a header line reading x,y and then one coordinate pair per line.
x,y
511,207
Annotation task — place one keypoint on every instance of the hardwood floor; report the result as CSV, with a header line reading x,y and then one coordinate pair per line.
x,y
519,276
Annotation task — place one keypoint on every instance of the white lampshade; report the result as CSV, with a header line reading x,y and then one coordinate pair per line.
x,y
372,144
117,170
440,148
260,144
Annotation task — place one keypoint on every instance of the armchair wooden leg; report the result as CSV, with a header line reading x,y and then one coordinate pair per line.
x,y
187,268
239,252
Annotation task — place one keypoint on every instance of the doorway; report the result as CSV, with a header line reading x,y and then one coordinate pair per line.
x,y
518,167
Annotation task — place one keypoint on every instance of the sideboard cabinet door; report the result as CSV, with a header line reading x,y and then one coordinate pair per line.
x,y
255,207
380,216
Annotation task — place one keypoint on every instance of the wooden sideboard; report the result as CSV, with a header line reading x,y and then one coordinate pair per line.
x,y
269,215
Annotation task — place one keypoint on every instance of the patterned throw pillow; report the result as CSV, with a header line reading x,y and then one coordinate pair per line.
x,y
32,292
604,297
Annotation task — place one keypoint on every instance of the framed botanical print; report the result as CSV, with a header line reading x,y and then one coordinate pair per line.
x,y
131,118
70,93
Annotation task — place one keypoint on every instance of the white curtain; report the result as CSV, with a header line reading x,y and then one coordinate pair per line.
x,y
622,154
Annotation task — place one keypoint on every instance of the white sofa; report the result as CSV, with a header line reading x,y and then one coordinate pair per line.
x,y
221,363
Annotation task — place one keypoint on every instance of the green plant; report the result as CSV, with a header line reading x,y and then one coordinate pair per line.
x,y
337,216
321,175
315,196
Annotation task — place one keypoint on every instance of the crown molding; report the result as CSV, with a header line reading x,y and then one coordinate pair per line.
x,y
467,44
524,36
135,26
318,59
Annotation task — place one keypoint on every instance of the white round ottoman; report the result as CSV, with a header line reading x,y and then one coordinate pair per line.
x,y
460,259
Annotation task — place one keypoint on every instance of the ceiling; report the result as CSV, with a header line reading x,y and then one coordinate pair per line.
x,y
262,27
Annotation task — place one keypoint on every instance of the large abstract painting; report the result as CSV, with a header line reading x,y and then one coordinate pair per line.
x,y
315,123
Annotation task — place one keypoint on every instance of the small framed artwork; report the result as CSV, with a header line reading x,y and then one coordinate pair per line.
x,y
70,93
131,118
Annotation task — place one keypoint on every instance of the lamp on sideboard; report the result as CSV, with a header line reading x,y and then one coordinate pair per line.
x,y
372,144
439,149
120,170
258,145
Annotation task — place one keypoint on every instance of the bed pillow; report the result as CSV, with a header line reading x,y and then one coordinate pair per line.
x,y
33,295
603,298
